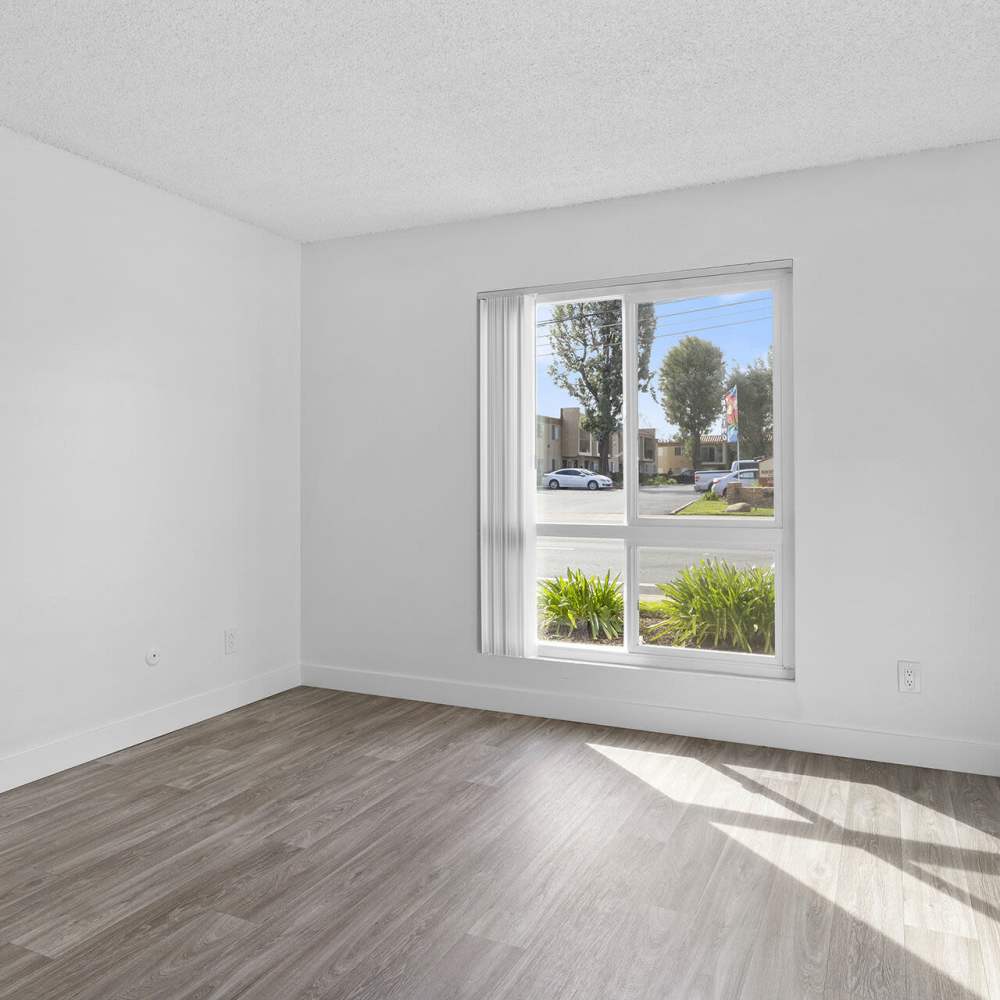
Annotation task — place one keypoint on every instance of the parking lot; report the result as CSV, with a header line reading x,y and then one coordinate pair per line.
x,y
607,506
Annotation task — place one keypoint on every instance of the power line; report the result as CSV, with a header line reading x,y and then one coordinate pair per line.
x,y
721,305
683,333
679,312
547,335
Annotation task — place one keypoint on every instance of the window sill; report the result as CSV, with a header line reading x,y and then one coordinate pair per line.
x,y
715,663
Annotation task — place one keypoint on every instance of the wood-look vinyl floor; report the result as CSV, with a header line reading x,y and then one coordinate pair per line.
x,y
329,845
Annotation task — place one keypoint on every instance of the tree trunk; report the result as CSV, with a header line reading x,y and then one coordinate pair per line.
x,y
695,448
603,447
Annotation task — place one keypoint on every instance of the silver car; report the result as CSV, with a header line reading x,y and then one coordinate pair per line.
x,y
576,479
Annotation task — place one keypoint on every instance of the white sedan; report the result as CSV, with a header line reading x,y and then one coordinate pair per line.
x,y
576,479
745,477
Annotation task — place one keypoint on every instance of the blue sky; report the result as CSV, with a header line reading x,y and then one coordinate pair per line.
x,y
740,325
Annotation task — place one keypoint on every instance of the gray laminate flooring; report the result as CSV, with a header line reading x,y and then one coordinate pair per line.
x,y
329,845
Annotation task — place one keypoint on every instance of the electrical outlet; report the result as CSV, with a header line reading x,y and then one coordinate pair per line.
x,y
909,676
230,641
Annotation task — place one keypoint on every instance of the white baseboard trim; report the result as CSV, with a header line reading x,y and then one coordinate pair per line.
x,y
786,734
37,762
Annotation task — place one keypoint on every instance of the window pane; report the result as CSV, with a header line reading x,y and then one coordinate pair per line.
x,y
716,600
580,590
578,389
706,391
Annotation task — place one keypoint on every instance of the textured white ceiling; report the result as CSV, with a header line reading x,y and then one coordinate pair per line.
x,y
327,119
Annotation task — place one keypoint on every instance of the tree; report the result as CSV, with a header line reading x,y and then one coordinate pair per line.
x,y
755,399
692,384
586,343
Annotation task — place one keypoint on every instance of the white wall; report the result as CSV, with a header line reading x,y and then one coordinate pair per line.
x,y
896,357
149,447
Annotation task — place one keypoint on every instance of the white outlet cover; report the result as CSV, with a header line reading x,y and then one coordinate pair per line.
x,y
904,668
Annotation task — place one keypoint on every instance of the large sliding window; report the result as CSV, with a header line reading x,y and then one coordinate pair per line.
x,y
641,434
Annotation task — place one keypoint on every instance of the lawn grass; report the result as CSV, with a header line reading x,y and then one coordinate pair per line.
x,y
704,505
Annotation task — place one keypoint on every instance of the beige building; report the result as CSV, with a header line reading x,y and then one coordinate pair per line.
x,y
579,447
560,442
715,450
671,456
548,444
647,452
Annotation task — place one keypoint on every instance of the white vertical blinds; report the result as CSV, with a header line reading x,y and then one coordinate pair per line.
x,y
506,469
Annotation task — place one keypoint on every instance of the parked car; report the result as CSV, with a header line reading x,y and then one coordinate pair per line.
x,y
746,477
684,476
704,479
576,479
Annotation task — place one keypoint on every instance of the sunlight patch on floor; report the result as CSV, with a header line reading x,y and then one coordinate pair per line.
x,y
815,864
892,864
693,782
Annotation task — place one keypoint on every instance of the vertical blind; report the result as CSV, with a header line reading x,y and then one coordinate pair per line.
x,y
506,463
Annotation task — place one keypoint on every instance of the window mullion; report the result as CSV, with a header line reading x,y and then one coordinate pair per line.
x,y
671,535
630,467
631,598
630,431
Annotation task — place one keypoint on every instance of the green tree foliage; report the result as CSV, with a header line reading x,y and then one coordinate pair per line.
x,y
755,397
586,343
692,384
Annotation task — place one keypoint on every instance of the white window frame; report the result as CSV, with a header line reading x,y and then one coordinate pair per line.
x,y
697,534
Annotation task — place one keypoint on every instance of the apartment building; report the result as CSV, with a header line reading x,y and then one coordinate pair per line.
x,y
672,456
647,452
579,447
548,444
560,442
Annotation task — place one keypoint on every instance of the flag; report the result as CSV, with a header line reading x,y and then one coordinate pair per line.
x,y
732,417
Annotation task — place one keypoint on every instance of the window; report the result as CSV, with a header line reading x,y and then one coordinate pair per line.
x,y
628,565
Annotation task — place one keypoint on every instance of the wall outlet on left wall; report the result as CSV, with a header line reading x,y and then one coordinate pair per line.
x,y
229,641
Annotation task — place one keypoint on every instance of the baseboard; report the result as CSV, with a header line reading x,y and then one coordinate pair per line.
x,y
37,762
841,741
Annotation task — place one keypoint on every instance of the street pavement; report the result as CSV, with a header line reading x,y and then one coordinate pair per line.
x,y
607,506
595,556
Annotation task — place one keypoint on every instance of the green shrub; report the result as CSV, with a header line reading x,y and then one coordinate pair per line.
x,y
717,605
574,604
